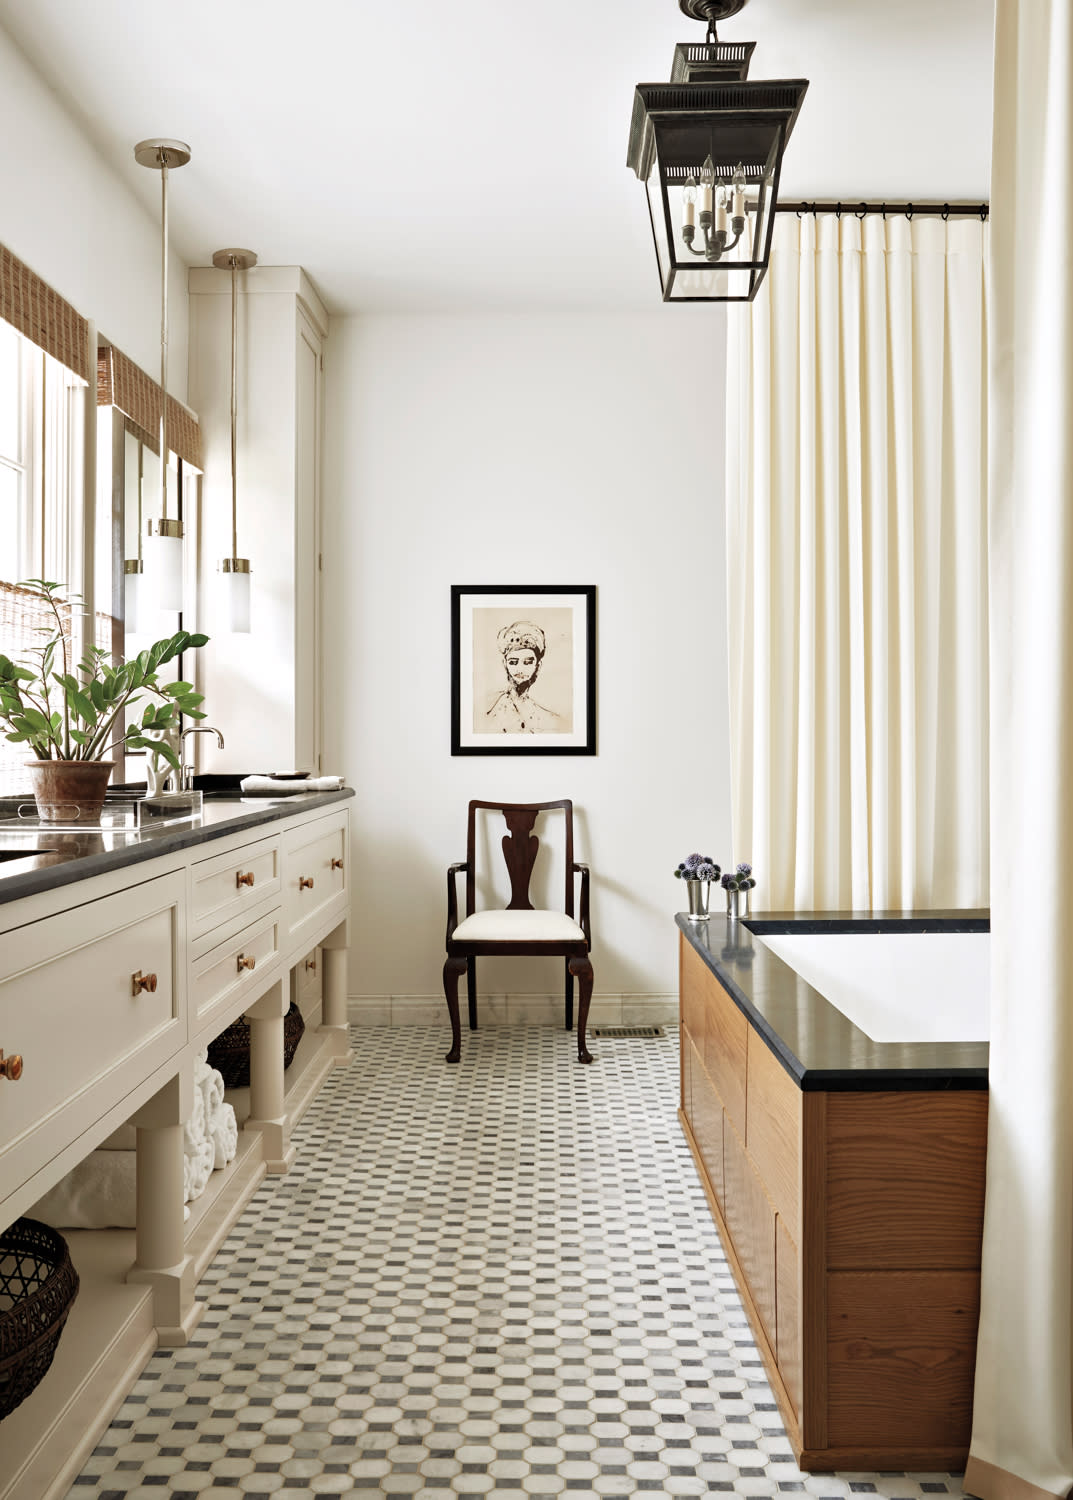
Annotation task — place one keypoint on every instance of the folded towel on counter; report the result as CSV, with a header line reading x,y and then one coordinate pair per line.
x,y
270,786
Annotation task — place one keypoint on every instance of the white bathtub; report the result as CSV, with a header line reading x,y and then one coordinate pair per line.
x,y
897,986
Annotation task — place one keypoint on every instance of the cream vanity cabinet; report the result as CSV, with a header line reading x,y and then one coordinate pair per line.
x,y
110,985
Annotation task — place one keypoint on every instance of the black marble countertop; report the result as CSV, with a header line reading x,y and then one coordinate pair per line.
x,y
816,1044
55,858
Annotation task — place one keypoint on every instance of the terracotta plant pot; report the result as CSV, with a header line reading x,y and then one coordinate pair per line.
x,y
70,791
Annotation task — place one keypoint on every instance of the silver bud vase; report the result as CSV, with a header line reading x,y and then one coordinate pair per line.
x,y
698,899
737,905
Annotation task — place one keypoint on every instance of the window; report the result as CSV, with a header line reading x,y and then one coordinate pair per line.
x,y
41,500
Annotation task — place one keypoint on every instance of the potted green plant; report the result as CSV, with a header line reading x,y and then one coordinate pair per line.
x,y
70,719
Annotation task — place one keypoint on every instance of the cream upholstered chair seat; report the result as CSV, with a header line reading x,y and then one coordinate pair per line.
x,y
519,927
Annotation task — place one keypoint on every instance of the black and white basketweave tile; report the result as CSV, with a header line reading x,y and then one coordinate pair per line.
x,y
499,1278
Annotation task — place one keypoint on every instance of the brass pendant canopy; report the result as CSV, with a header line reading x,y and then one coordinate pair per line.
x,y
708,146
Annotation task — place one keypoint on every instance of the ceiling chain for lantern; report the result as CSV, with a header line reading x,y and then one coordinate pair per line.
x,y
708,146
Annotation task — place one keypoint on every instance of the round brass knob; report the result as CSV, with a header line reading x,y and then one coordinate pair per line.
x,y
304,884
241,879
246,961
311,965
11,1067
140,982
337,864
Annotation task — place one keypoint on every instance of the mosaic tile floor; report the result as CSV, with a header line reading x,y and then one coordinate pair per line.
x,y
499,1278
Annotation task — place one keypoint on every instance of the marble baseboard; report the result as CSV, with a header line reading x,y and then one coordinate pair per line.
x,y
512,1010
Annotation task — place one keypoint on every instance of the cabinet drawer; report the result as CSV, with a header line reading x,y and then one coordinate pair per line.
x,y
228,884
231,976
314,873
87,1031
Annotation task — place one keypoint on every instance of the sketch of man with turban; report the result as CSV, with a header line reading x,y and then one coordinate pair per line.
x,y
515,710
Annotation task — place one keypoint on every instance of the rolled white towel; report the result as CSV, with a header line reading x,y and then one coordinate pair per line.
x,y
197,1169
269,786
195,1129
224,1136
211,1084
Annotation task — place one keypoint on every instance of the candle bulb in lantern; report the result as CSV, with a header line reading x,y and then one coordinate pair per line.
x,y
689,198
738,187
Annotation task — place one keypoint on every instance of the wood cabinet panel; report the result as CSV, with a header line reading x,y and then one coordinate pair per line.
x,y
788,1314
725,1035
750,1219
901,1351
691,995
773,1130
905,1180
706,1121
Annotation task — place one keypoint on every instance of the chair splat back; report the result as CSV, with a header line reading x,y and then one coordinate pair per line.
x,y
520,848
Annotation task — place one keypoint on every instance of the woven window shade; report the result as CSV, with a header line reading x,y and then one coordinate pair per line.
x,y
120,382
30,305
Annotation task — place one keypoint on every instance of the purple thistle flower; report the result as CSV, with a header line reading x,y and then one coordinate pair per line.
x,y
706,870
745,869
692,861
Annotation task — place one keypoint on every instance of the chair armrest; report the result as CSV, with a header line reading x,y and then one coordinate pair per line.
x,y
452,896
583,909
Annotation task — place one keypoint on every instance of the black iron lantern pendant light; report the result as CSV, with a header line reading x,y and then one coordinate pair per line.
x,y
708,146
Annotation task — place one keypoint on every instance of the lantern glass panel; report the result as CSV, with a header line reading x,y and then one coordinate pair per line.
x,y
682,146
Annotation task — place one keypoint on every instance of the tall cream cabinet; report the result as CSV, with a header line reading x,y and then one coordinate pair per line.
x,y
261,689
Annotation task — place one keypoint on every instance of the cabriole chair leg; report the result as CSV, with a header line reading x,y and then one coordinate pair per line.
x,y
581,968
453,970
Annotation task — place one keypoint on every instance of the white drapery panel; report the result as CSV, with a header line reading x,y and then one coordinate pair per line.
x,y
857,565
1022,1442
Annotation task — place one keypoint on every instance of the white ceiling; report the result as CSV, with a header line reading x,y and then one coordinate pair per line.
x,y
420,156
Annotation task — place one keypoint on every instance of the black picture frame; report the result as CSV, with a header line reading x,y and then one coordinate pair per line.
x,y
498,633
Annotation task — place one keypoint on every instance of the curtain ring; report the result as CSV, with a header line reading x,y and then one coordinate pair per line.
x,y
946,212
983,213
884,213
909,212
838,210
798,210
863,211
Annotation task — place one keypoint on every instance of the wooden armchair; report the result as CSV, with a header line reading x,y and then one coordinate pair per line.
x,y
519,928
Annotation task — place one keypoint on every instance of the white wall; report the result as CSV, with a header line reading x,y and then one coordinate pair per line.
x,y
71,218
525,450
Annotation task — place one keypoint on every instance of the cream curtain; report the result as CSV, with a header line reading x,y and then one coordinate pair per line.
x,y
1022,1445
857,565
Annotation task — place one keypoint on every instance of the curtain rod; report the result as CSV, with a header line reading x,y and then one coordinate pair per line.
x,y
943,210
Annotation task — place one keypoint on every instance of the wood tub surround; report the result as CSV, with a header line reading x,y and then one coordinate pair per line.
x,y
846,1178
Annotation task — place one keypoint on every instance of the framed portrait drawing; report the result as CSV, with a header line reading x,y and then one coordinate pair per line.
x,y
523,669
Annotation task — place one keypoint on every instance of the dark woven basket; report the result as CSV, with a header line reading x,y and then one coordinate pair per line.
x,y
38,1283
230,1052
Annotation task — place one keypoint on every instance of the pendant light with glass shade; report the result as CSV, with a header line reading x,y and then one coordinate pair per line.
x,y
233,584
162,558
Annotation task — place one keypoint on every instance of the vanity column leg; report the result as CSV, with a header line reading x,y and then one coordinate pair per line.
x,y
267,1113
160,1254
336,952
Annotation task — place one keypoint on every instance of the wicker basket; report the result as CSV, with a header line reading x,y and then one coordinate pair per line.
x,y
230,1052
38,1283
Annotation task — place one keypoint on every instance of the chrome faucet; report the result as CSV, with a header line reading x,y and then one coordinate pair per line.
x,y
186,769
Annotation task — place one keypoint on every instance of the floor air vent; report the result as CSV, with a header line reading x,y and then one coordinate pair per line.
x,y
631,1031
